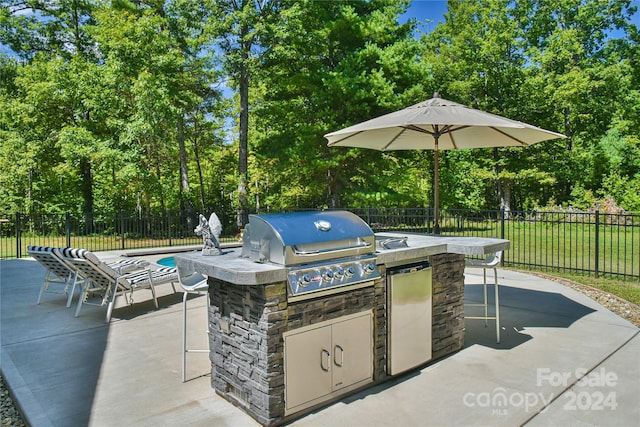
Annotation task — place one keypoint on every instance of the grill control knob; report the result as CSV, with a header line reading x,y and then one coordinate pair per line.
x,y
305,280
351,270
369,267
327,275
339,272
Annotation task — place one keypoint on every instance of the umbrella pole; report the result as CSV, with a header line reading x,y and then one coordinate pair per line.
x,y
436,187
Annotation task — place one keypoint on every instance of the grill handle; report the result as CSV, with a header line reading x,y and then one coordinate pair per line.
x,y
394,242
361,245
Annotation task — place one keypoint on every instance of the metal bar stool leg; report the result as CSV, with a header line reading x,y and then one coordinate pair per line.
x,y
185,350
184,335
497,302
491,262
486,300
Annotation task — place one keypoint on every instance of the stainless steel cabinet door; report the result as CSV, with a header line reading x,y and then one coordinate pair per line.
x,y
352,351
410,320
308,365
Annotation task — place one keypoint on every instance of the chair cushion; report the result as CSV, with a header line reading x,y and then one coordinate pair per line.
x,y
159,276
127,264
91,273
35,249
45,256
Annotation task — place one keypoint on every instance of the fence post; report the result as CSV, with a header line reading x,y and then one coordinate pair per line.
x,y
502,223
18,237
597,244
67,231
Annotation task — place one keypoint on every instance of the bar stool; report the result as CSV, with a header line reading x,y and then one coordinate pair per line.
x,y
191,283
492,261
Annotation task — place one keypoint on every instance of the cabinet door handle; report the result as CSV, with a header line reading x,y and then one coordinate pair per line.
x,y
335,353
323,359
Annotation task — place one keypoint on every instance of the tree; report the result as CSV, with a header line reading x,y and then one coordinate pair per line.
x,y
56,43
159,80
115,108
478,60
551,64
579,70
330,65
238,26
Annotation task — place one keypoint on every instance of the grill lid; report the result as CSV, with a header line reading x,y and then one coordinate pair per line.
x,y
303,237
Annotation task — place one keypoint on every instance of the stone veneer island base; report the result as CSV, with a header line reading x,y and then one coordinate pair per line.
x,y
250,320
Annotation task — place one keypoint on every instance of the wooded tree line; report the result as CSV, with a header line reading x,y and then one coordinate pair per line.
x,y
192,104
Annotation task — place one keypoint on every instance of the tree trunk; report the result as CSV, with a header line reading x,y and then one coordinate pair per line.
x,y
87,191
199,168
567,128
503,186
243,151
334,194
185,190
505,198
158,171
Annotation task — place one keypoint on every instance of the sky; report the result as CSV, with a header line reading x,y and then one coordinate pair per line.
x,y
430,12
426,10
434,10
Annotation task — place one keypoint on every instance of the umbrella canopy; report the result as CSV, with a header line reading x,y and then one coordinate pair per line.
x,y
438,124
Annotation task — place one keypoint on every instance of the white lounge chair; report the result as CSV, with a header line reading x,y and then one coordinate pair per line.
x,y
101,278
58,272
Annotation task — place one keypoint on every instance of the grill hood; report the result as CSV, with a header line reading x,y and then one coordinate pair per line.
x,y
306,237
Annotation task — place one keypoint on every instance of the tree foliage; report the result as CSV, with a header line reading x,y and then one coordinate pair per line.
x,y
223,104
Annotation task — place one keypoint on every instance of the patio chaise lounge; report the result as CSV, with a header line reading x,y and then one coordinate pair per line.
x,y
59,272
109,282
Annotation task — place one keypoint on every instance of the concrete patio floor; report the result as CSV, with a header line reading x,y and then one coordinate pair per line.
x,y
564,360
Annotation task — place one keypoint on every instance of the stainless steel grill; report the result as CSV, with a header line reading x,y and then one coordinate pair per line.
x,y
325,252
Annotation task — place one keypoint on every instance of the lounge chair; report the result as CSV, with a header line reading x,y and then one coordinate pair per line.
x,y
110,283
58,272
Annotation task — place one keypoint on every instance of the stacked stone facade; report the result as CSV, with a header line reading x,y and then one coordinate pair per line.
x,y
448,304
247,323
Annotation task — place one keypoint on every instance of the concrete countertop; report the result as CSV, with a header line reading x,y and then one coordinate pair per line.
x,y
230,267
423,245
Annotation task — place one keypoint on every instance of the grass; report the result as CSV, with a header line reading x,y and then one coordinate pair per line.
x,y
625,289
575,247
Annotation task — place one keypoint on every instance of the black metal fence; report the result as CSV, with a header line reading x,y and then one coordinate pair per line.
x,y
98,232
601,244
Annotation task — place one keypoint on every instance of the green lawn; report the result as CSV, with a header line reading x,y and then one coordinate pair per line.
x,y
625,289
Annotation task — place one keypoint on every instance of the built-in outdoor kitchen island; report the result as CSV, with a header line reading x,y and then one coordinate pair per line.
x,y
314,306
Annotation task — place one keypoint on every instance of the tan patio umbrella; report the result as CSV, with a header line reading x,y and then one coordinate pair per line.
x,y
438,124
